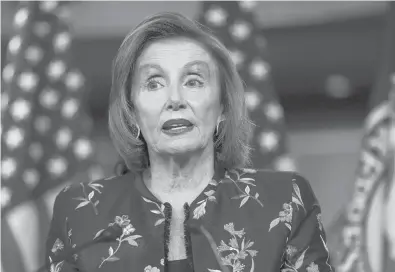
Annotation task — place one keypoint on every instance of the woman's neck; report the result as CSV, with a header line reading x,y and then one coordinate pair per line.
x,y
179,176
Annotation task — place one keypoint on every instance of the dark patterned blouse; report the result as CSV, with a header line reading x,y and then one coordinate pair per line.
x,y
258,221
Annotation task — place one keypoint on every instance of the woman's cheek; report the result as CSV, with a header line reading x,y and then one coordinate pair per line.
x,y
150,106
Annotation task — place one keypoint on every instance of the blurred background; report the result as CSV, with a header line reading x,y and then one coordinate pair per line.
x,y
314,72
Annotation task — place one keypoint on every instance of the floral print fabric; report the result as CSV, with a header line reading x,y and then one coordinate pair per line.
x,y
258,220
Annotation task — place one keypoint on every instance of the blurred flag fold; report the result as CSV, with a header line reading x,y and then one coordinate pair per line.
x,y
363,237
45,133
234,24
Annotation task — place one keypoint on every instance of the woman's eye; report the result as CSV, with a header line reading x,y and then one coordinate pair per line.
x,y
194,83
153,84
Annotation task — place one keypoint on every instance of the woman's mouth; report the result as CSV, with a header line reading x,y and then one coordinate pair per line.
x,y
177,126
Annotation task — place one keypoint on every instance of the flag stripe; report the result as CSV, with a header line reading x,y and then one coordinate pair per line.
x,y
24,225
9,250
44,219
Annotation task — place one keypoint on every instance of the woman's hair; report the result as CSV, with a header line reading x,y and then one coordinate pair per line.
x,y
231,141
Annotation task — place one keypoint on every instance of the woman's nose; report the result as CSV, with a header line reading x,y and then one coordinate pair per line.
x,y
176,100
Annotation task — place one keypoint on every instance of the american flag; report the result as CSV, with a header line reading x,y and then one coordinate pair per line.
x,y
362,239
234,24
45,132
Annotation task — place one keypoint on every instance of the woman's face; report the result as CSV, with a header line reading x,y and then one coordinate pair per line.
x,y
176,93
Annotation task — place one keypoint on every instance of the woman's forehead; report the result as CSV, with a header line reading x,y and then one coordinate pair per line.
x,y
180,52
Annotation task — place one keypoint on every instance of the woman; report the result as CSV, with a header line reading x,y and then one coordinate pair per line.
x,y
187,202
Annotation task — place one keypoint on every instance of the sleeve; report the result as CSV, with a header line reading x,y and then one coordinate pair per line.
x,y
58,240
306,249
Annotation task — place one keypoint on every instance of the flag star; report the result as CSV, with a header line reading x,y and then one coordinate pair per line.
x,y
69,108
82,148
56,69
8,73
61,41
247,5
42,124
274,111
268,141
14,137
237,57
4,101
15,44
259,69
20,109
63,138
49,98
41,29
8,167
252,99
216,16
27,81
5,196
57,166
31,178
34,54
48,6
284,163
74,80
240,30
21,17
36,151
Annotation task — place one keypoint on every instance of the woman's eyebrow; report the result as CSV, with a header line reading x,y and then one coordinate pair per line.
x,y
198,64
201,67
144,68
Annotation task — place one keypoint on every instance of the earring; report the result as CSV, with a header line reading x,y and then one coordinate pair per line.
x,y
136,131
217,128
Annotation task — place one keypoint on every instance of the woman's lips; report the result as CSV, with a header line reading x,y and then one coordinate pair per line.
x,y
177,126
177,130
176,123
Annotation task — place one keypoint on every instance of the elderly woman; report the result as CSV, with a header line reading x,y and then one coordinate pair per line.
x,y
187,202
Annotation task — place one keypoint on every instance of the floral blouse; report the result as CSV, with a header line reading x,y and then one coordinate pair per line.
x,y
259,221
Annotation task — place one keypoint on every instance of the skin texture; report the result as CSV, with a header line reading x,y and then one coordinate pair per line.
x,y
177,78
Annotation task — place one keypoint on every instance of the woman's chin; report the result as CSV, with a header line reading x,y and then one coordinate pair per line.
x,y
188,143
182,146
181,149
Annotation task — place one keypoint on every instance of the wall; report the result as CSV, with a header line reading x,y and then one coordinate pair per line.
x,y
328,159
116,18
